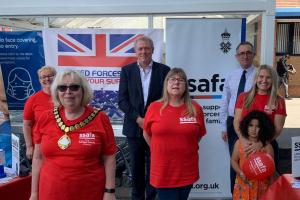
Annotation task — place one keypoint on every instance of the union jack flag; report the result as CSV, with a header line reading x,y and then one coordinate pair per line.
x,y
71,43
92,50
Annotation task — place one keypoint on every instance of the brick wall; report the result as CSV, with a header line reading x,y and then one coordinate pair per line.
x,y
287,3
294,83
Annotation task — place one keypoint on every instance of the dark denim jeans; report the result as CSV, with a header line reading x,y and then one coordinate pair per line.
x,y
179,193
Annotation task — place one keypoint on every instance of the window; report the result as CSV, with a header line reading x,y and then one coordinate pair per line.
x,y
288,38
296,40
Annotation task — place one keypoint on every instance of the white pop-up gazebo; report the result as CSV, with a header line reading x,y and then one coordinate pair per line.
x,y
58,8
12,11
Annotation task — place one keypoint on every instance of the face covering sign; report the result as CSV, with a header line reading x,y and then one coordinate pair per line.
x,y
21,56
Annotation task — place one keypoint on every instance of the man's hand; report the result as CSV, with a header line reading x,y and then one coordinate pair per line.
x,y
140,121
224,136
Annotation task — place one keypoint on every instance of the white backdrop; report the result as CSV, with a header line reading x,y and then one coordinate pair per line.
x,y
197,46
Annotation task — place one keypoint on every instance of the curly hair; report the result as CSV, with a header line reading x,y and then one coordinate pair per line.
x,y
266,127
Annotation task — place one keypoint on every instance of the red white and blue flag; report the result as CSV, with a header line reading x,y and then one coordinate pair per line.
x,y
111,50
90,50
98,54
96,48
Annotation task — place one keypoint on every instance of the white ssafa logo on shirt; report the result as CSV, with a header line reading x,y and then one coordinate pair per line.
x,y
87,138
187,120
269,110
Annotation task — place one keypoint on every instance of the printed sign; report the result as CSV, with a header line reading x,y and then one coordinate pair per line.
x,y
296,156
21,56
205,49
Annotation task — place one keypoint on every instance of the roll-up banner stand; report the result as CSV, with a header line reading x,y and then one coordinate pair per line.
x,y
205,49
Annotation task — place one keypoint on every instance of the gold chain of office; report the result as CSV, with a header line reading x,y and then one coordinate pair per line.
x,y
65,141
78,125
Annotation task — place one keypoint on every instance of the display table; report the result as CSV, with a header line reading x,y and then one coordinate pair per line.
x,y
282,189
17,189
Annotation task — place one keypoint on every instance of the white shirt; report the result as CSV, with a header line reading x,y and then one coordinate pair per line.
x,y
230,91
145,79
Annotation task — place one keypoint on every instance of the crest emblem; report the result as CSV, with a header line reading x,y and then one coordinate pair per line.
x,y
225,45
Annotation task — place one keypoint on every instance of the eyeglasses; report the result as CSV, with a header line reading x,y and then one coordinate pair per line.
x,y
173,80
247,53
47,76
73,88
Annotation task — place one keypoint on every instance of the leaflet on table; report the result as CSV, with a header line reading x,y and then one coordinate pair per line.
x,y
296,184
15,141
10,175
296,156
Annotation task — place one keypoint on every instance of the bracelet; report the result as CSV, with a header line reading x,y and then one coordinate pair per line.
x,y
109,190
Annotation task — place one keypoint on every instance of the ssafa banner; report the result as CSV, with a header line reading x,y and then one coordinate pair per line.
x,y
205,49
21,56
99,54
296,156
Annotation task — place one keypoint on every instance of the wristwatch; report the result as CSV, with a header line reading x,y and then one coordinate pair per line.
x,y
109,190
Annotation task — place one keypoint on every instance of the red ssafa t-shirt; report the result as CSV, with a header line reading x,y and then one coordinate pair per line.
x,y
260,102
35,106
77,172
174,144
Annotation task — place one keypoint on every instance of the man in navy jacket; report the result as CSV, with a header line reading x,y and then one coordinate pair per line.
x,y
140,84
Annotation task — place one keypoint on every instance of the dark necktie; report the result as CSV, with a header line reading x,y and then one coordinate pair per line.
x,y
242,83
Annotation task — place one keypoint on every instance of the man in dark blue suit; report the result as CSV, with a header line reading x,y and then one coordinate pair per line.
x,y
140,84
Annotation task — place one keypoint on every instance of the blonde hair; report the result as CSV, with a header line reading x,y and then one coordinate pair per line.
x,y
190,111
273,92
46,68
87,93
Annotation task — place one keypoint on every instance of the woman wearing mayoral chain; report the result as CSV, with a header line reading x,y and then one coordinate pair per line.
x,y
74,155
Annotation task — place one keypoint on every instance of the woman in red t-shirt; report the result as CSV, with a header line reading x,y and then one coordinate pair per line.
x,y
263,96
74,154
36,105
173,127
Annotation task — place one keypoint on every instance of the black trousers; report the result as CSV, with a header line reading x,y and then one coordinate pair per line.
x,y
276,154
140,168
232,138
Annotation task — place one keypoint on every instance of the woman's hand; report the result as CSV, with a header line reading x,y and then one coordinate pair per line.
x,y
243,177
33,196
252,147
108,196
29,152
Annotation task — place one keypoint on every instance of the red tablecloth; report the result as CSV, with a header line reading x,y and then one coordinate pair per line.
x,y
17,189
282,189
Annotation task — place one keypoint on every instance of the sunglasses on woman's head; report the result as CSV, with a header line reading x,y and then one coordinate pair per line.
x,y
63,88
